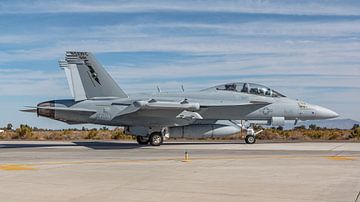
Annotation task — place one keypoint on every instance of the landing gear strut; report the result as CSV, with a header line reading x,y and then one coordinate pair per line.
x,y
250,137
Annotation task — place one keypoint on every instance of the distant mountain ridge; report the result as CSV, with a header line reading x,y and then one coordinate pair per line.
x,y
333,123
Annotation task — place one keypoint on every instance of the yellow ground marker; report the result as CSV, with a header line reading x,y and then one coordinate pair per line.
x,y
186,157
16,167
340,158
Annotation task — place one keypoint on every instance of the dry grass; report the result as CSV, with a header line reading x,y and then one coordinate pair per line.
x,y
27,133
311,135
302,135
68,135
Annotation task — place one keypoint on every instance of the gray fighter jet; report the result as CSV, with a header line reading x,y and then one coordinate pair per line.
x,y
212,112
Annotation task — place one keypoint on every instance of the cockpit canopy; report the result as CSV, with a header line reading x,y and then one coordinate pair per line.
x,y
250,88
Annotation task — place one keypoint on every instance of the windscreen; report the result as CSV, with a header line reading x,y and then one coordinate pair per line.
x,y
250,88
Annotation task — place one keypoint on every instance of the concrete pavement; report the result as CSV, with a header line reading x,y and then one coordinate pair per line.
x,y
217,171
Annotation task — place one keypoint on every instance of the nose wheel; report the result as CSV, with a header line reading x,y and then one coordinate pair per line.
x,y
250,139
251,135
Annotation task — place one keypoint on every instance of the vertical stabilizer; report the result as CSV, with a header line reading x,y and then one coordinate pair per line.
x,y
87,78
63,65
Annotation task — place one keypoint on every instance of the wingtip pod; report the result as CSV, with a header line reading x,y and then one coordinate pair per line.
x,y
87,78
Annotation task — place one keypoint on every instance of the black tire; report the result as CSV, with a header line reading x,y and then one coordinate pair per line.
x,y
142,140
250,139
156,139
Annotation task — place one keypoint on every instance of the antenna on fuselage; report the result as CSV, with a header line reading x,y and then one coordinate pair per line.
x,y
158,89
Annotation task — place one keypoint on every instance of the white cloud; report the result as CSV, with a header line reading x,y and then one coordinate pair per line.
x,y
247,6
225,38
22,82
314,53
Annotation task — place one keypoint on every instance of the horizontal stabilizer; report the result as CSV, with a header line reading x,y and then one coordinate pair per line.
x,y
36,109
28,110
68,109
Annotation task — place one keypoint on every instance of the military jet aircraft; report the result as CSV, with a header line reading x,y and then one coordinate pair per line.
x,y
153,117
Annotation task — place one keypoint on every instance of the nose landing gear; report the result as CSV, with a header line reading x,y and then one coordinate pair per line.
x,y
250,137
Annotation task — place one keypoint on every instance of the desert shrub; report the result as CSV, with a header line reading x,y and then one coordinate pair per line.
x,y
332,135
296,135
314,134
92,134
9,126
120,135
285,134
270,134
2,136
355,133
24,131
66,135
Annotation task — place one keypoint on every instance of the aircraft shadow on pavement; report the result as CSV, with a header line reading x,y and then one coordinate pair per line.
x,y
109,145
103,145
201,143
133,145
92,145
30,145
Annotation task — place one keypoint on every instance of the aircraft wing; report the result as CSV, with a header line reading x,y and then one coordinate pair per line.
x,y
190,111
154,105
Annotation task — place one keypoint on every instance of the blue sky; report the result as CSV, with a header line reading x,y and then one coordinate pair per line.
x,y
308,50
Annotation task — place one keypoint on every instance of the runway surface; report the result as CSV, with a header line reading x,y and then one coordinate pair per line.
x,y
215,171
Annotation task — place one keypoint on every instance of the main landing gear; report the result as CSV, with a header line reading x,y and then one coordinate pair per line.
x,y
155,139
142,140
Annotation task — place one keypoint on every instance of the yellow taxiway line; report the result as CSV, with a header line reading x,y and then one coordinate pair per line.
x,y
33,166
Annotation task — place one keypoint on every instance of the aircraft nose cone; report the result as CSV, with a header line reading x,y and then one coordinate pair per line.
x,y
324,113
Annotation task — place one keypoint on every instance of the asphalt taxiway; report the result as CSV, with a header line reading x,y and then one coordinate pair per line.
x,y
215,171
